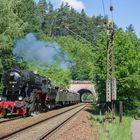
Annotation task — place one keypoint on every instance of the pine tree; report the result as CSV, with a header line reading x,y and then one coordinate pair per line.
x,y
130,29
43,7
27,11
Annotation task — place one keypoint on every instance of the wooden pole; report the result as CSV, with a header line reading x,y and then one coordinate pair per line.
x,y
121,110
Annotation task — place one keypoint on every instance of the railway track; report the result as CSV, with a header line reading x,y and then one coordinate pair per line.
x,y
9,119
54,129
29,128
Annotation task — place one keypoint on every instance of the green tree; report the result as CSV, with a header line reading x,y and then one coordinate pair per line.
x,y
42,7
128,69
82,55
12,27
50,20
28,12
127,54
130,29
57,75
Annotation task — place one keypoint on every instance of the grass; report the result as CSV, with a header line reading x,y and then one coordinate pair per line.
x,y
114,130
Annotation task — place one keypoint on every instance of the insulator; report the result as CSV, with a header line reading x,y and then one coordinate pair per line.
x,y
111,8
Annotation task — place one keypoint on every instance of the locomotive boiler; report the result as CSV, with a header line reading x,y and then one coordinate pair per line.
x,y
25,92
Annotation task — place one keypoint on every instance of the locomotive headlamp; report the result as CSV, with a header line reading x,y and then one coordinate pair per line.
x,y
20,98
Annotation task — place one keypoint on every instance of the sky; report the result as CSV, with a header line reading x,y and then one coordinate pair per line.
x,y
125,12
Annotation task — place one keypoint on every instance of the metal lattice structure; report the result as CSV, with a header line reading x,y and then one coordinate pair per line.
x,y
111,94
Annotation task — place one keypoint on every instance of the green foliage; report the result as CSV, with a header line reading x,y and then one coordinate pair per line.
x,y
81,54
113,130
28,12
17,18
116,130
1,66
127,54
87,97
11,25
90,64
128,69
99,72
57,75
42,7
23,16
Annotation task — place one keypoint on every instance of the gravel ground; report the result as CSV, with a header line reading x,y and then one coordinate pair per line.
x,y
35,132
136,130
79,128
9,127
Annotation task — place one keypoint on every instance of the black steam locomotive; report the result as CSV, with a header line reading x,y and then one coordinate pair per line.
x,y
25,92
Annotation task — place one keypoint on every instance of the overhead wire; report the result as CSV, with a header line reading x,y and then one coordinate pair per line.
x,y
103,5
111,10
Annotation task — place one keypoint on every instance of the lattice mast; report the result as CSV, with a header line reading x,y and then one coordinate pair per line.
x,y
111,80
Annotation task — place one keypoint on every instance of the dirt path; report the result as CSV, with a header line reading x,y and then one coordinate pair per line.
x,y
136,130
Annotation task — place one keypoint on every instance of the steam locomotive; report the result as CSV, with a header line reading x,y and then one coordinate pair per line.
x,y
26,92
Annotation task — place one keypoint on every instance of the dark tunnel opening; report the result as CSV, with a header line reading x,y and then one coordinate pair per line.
x,y
86,95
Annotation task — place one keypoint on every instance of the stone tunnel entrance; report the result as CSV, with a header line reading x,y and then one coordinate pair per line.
x,y
85,88
86,95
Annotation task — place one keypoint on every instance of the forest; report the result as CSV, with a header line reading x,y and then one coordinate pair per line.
x,y
80,39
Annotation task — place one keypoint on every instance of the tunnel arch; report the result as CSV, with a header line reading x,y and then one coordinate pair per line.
x,y
82,86
85,91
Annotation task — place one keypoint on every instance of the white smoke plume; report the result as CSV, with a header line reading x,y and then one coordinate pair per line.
x,y
43,53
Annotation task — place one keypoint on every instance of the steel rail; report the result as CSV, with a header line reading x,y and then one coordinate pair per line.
x,y
49,133
35,124
9,120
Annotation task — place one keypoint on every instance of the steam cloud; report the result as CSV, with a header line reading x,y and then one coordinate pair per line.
x,y
41,52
